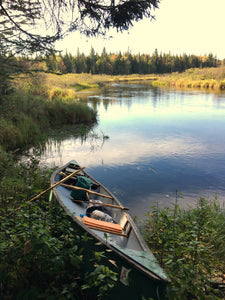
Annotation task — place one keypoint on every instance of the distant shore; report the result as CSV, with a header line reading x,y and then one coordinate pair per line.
x,y
207,78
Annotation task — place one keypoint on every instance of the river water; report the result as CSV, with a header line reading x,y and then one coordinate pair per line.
x,y
159,142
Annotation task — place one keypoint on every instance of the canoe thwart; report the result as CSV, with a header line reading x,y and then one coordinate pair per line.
x,y
102,204
86,190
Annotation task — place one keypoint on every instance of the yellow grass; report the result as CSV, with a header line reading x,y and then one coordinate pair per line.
x,y
66,86
207,78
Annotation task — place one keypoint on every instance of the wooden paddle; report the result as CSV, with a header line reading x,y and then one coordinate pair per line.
x,y
102,204
86,190
50,188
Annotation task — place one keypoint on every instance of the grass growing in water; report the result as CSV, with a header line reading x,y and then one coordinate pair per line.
x,y
190,245
25,118
207,78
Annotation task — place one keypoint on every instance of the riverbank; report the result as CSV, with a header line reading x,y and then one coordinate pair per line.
x,y
28,112
67,85
207,78
37,240
43,101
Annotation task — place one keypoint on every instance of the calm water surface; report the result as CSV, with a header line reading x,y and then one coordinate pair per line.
x,y
159,141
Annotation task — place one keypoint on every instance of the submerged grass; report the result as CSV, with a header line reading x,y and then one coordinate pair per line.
x,y
190,246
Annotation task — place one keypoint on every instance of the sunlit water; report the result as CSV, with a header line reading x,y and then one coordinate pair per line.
x,y
159,141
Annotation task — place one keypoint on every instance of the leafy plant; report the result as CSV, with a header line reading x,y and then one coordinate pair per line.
x,y
42,254
190,246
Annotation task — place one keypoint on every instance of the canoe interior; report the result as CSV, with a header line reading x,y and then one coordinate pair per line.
x,y
119,215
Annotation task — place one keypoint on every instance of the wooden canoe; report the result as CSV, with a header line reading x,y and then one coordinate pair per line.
x,y
140,275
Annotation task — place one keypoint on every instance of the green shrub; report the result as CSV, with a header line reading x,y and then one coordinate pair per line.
x,y
42,254
190,246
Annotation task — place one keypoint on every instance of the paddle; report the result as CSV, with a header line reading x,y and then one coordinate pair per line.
x,y
51,187
86,190
102,204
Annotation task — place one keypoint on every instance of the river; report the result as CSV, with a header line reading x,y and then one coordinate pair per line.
x,y
159,141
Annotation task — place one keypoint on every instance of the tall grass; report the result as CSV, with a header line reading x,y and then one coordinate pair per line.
x,y
65,86
207,78
44,100
31,109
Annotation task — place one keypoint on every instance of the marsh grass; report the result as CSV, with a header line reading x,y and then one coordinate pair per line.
x,y
32,108
44,100
207,78
66,85
190,246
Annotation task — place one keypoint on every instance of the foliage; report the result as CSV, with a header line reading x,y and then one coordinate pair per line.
x,y
42,254
89,17
190,246
103,278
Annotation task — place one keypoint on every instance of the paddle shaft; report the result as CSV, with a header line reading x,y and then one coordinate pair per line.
x,y
57,183
51,187
102,204
86,190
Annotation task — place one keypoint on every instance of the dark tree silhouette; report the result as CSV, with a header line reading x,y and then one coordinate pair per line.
x,y
21,22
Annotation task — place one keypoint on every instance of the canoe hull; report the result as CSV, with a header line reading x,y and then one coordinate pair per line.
x,y
135,281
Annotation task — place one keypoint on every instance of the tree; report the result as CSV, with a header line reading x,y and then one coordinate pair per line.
x,y
33,26
20,20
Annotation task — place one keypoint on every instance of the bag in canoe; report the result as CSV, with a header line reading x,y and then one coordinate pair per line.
x,y
82,182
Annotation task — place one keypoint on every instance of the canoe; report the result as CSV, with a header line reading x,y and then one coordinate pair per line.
x,y
98,213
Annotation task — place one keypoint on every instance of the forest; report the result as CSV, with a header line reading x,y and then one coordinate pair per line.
x,y
120,63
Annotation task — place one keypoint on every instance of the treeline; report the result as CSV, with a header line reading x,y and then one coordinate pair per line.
x,y
124,64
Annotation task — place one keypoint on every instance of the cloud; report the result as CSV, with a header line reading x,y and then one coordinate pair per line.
x,y
122,149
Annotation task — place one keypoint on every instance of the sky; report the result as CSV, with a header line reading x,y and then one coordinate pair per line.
x,y
180,26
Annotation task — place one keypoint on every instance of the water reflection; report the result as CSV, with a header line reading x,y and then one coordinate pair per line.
x,y
159,141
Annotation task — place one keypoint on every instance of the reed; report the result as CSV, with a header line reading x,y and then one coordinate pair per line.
x,y
25,117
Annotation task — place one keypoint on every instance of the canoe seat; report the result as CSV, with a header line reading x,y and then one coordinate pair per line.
x,y
102,225
123,221
125,224
127,227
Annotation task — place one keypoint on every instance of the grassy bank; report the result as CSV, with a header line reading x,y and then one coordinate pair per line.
x,y
31,109
207,78
66,86
43,101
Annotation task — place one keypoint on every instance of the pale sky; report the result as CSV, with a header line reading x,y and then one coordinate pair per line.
x,y
181,26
